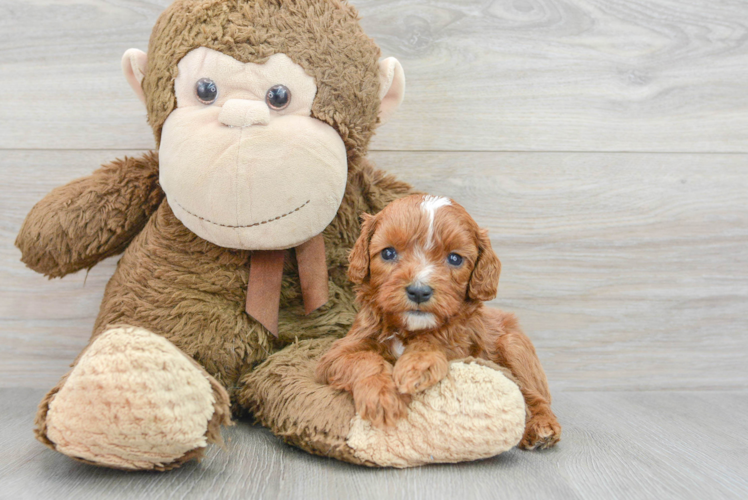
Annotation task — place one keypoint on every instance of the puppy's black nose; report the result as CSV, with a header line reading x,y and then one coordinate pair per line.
x,y
419,293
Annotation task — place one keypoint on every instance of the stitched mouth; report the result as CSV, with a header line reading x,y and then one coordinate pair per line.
x,y
254,224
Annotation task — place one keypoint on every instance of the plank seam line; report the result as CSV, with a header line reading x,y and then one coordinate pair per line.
x,y
513,151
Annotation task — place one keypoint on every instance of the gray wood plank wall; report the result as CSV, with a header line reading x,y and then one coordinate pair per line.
x,y
629,271
603,143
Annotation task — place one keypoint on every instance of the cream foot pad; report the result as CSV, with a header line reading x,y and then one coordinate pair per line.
x,y
476,412
134,401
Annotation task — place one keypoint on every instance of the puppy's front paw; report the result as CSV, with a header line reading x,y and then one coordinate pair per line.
x,y
378,402
417,372
541,431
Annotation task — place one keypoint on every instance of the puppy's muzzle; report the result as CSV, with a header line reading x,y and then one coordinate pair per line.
x,y
419,293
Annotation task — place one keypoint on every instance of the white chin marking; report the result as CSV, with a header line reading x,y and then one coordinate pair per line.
x,y
419,321
430,205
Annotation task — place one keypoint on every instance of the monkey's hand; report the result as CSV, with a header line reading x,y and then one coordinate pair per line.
x,y
77,225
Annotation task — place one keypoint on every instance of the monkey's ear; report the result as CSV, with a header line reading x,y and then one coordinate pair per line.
x,y
358,260
134,64
484,282
391,87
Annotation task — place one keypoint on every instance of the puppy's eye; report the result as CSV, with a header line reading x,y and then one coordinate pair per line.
x,y
454,259
389,253
278,97
206,91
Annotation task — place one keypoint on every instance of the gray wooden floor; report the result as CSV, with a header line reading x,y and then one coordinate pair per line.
x,y
633,445
603,143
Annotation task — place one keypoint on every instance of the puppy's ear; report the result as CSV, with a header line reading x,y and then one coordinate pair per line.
x,y
484,282
358,260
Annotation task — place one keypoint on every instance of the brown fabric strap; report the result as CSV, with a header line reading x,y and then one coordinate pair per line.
x,y
263,290
266,275
313,273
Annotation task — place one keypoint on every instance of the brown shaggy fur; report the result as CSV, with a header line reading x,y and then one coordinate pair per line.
x,y
368,362
322,36
174,283
82,223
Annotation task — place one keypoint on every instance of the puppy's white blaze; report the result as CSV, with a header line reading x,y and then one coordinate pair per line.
x,y
425,268
416,321
423,274
430,205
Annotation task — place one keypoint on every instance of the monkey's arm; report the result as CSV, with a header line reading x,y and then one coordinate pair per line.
x,y
81,223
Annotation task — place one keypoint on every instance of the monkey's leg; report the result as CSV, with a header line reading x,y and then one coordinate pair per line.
x,y
133,401
515,351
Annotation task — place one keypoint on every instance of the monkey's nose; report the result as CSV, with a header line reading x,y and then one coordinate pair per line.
x,y
419,293
244,112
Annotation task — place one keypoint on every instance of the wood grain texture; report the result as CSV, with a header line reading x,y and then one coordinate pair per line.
x,y
649,445
483,75
628,271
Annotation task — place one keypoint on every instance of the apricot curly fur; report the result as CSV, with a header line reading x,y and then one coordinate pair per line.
x,y
366,363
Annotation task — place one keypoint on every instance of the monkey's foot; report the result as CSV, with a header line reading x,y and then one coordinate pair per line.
x,y
133,401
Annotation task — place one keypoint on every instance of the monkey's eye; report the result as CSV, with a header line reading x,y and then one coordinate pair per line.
x,y
389,253
206,91
454,259
278,97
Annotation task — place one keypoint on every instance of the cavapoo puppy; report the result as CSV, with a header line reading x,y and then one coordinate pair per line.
x,y
423,269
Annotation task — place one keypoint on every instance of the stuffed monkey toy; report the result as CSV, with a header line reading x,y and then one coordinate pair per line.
x,y
234,237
